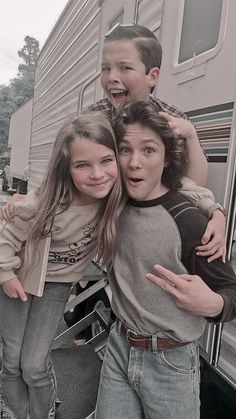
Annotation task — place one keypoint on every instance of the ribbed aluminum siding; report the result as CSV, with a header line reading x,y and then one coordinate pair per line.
x,y
19,140
226,362
149,14
67,60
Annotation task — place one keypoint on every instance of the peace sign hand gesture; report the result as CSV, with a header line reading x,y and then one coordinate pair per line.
x,y
189,292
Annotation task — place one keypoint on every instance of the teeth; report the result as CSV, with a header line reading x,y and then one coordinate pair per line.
x,y
113,91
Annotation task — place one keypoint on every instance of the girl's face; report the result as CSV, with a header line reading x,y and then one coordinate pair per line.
x,y
93,170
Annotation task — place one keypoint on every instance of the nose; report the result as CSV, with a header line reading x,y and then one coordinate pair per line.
x,y
113,75
96,172
134,161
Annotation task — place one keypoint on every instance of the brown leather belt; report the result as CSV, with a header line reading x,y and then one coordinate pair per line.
x,y
147,342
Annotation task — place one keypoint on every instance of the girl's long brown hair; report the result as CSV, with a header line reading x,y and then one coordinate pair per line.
x,y
57,190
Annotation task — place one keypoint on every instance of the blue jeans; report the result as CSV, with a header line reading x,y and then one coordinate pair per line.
x,y
137,383
28,330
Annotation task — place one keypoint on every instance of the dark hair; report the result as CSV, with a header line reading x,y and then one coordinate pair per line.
x,y
145,41
145,113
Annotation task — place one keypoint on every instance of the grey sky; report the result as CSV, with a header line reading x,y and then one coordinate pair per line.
x,y
21,18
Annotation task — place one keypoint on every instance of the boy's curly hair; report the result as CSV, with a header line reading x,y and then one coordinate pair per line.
x,y
145,113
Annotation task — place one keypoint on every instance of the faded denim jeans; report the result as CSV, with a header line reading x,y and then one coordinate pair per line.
x,y
28,329
137,383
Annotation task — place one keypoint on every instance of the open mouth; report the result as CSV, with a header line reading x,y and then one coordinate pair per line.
x,y
134,181
119,93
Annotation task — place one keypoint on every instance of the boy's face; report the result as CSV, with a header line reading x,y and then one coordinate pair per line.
x,y
142,159
123,74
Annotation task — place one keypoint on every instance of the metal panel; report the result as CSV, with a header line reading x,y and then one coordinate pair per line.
x,y
149,14
206,343
226,363
226,354
67,60
19,139
37,171
213,126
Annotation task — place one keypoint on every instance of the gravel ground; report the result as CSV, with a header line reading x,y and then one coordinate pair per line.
x,y
4,413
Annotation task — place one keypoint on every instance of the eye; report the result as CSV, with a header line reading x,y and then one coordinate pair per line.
x,y
149,150
80,165
123,149
125,67
105,68
108,160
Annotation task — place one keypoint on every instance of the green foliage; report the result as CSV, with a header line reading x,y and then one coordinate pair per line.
x,y
29,53
20,88
7,107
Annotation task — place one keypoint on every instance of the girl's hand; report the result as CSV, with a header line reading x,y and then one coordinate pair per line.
x,y
213,240
14,289
190,292
7,211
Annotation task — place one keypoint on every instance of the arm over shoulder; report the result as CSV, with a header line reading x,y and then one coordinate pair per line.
x,y
202,197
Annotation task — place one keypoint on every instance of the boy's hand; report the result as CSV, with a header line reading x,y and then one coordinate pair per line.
x,y
179,126
189,292
7,211
213,240
14,289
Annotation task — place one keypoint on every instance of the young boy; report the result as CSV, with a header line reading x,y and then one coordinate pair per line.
x,y
151,365
130,69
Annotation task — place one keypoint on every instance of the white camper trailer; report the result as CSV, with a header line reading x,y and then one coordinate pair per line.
x,y
197,75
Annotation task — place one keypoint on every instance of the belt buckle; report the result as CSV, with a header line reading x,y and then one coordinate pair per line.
x,y
128,334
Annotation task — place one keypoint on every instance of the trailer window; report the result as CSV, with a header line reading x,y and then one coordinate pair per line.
x,y
200,28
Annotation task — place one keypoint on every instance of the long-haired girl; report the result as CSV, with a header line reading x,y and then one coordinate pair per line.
x,y
70,219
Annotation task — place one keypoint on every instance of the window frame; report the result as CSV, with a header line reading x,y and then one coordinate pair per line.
x,y
204,56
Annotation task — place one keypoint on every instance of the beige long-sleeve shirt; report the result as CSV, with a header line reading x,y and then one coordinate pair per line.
x,y
63,257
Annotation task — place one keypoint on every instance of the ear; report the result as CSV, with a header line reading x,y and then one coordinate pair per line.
x,y
166,163
154,74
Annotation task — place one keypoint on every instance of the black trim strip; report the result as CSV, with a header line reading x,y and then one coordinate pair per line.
x,y
211,109
217,159
151,202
